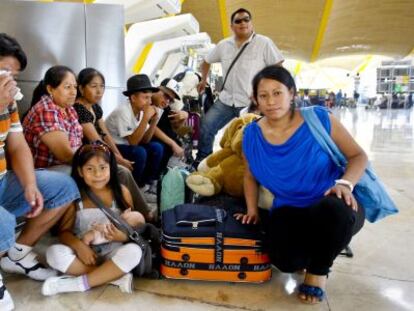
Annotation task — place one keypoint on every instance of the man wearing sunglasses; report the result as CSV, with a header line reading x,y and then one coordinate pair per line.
x,y
255,52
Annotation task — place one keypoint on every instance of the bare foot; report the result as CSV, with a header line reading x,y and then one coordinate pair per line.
x,y
313,280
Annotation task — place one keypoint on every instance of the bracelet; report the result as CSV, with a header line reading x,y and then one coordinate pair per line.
x,y
345,182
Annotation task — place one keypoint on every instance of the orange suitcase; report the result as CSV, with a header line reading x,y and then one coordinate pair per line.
x,y
201,242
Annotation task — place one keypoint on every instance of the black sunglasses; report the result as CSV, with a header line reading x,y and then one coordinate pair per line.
x,y
240,20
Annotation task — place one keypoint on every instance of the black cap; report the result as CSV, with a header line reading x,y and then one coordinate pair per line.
x,y
139,83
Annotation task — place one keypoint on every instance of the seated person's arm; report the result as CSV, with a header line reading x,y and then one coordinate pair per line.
x,y
58,144
66,236
153,120
141,133
178,119
89,131
111,143
251,195
21,160
108,138
136,137
357,158
177,150
127,197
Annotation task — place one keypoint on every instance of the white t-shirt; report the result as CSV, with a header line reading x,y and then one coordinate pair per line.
x,y
260,52
122,122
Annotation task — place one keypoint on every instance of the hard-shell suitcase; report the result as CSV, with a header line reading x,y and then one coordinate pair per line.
x,y
201,242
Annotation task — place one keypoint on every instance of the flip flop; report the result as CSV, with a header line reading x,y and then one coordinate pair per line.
x,y
313,291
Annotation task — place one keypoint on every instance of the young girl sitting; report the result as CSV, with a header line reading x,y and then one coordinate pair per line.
x,y
94,169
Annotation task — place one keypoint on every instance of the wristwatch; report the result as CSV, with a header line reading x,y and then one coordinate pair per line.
x,y
345,182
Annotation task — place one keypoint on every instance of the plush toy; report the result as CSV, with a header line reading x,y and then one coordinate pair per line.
x,y
223,170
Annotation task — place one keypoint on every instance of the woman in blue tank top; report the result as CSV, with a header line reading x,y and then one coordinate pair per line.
x,y
314,213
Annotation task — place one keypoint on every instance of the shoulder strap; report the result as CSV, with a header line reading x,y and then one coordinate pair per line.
x,y
117,221
79,204
322,136
234,61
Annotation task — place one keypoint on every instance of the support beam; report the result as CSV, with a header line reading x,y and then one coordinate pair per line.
x,y
365,64
322,29
224,18
297,69
142,57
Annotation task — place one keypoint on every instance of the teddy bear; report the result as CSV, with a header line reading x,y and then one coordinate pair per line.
x,y
223,170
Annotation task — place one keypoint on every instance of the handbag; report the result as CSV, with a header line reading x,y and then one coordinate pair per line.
x,y
149,257
369,191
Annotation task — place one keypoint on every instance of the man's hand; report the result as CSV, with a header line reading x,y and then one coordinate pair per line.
x,y
177,117
177,150
7,90
35,200
150,112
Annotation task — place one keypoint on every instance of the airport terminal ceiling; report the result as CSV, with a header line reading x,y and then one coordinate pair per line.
x,y
313,30
381,27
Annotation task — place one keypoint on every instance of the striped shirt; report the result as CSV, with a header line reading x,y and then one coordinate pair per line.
x,y
9,122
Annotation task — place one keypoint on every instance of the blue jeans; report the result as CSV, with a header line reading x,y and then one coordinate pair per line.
x,y
147,158
57,189
216,118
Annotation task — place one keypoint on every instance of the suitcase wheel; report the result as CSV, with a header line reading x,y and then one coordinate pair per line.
x,y
185,257
241,275
183,271
244,261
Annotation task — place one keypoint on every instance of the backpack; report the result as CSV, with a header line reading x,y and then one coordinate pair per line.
x,y
173,190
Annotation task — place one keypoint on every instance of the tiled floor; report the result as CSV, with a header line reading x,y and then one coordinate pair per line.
x,y
379,277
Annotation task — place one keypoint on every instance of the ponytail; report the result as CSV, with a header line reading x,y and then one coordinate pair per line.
x,y
38,92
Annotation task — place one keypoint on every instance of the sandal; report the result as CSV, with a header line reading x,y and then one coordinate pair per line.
x,y
312,291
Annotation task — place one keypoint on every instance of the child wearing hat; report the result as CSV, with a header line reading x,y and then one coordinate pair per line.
x,y
132,126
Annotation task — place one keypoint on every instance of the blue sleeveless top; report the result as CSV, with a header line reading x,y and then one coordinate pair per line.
x,y
298,172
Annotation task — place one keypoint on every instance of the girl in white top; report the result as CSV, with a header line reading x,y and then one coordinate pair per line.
x,y
94,169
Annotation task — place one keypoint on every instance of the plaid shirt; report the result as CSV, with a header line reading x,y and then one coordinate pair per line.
x,y
46,117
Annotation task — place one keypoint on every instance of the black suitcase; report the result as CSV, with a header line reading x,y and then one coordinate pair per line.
x,y
201,242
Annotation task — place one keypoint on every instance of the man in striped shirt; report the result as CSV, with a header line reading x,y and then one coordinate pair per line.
x,y
41,196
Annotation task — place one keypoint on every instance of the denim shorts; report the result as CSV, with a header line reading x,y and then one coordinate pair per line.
x,y
58,190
